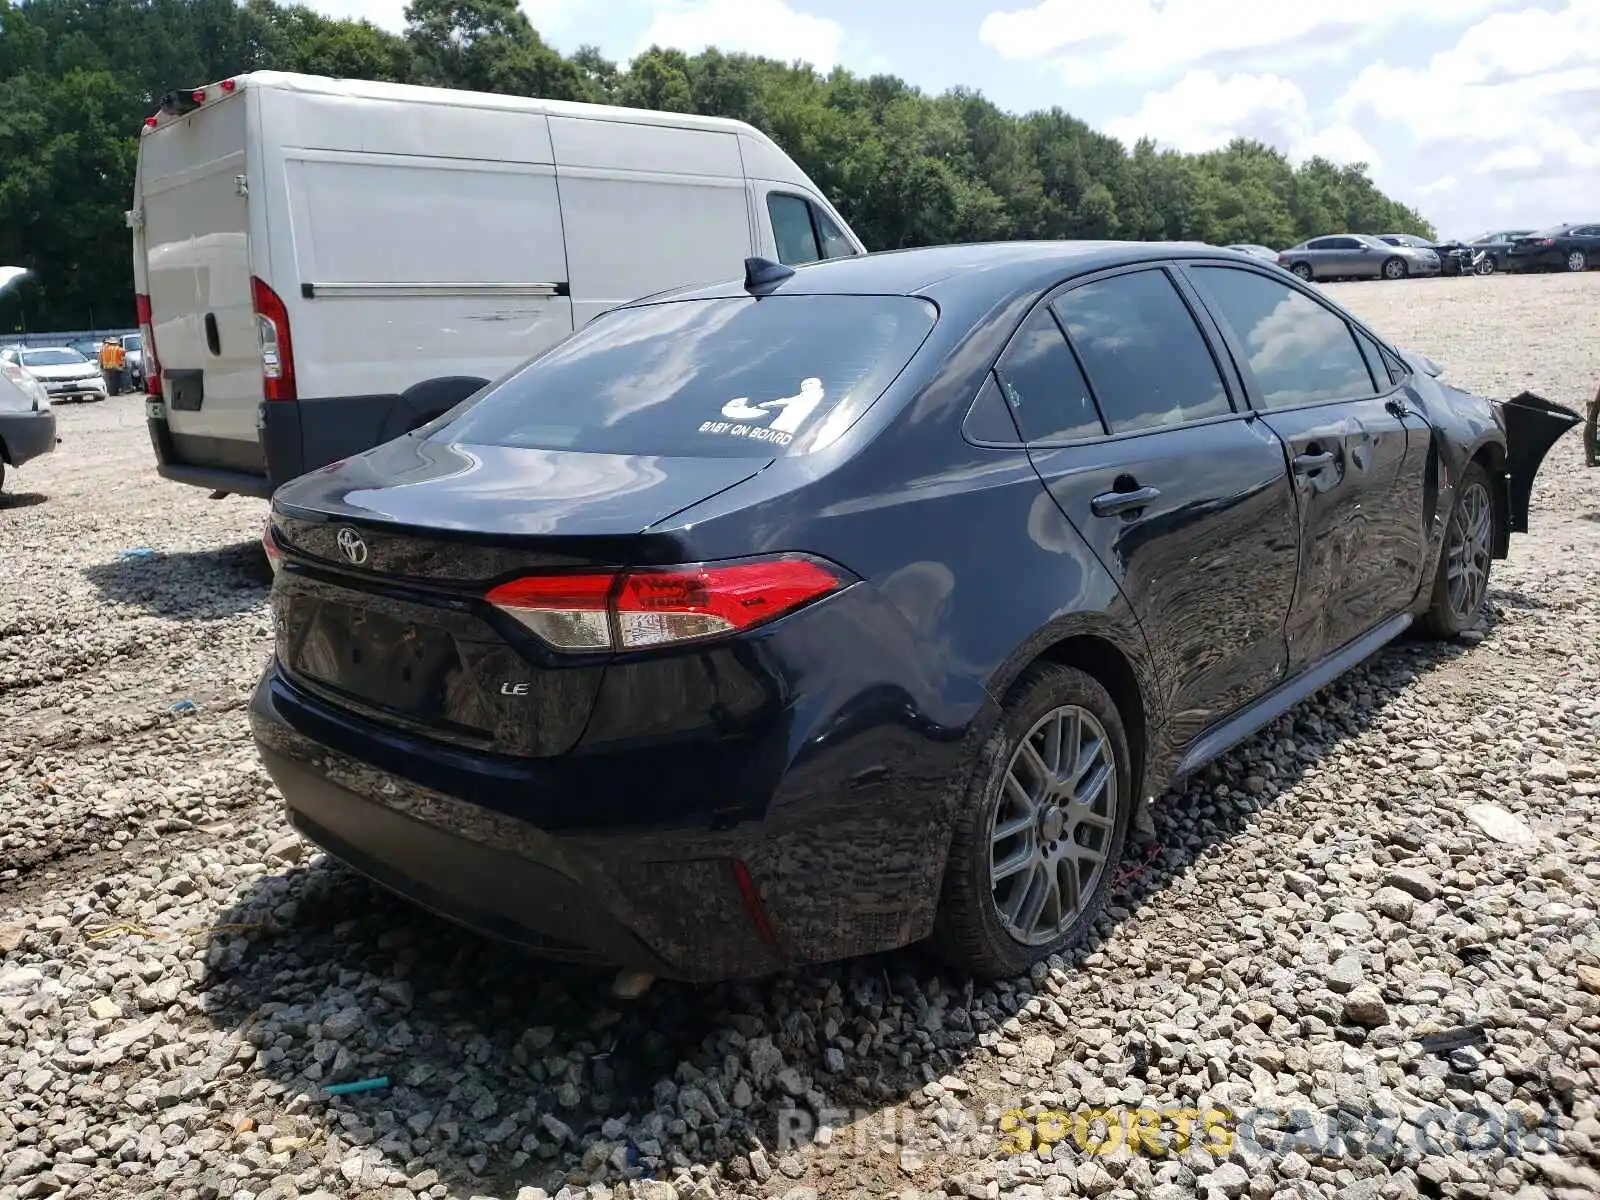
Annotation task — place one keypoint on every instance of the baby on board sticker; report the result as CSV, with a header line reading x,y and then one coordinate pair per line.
x,y
782,418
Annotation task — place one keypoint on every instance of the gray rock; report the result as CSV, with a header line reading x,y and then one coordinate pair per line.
x,y
1364,1006
1501,826
1414,882
1343,973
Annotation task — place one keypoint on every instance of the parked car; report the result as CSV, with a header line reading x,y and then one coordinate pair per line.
x,y
1445,252
1255,251
1561,248
66,374
1497,244
1357,256
809,614
133,347
27,426
314,339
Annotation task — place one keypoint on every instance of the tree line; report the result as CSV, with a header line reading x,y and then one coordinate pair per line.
x,y
78,77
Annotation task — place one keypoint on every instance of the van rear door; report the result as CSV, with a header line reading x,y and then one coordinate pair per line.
x,y
196,268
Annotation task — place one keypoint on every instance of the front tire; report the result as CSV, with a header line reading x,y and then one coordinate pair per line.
x,y
1041,827
1462,580
1487,266
1577,261
1394,268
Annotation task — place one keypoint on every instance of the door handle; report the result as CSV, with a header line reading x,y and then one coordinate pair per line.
x,y
1110,504
1305,464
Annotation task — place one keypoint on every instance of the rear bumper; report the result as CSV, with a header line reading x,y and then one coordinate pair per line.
x,y
795,834
27,435
170,465
84,389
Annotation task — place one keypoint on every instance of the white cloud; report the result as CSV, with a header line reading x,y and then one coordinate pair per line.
x,y
1203,111
766,27
1094,40
1515,100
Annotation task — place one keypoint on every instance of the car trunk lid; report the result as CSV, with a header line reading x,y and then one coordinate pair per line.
x,y
379,604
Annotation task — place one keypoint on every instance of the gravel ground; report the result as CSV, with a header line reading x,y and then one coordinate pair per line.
x,y
1372,919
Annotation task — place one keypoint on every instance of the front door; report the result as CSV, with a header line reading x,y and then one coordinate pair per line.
x,y
1357,453
1185,501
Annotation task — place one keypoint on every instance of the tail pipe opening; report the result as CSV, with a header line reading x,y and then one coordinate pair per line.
x,y
1533,426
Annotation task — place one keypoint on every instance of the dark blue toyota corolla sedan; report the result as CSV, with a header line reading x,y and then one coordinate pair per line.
x,y
826,610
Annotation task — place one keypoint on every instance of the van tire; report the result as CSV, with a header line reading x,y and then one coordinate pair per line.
x,y
422,402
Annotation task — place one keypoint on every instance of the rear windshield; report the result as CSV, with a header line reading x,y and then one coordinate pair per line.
x,y
725,378
51,358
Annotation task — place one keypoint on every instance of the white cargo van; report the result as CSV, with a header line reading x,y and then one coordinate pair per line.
x,y
322,265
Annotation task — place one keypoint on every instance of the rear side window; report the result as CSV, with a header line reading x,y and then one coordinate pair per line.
x,y
1145,357
1376,367
1044,386
725,378
1298,351
791,229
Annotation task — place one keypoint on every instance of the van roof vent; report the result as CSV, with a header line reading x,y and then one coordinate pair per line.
x,y
764,273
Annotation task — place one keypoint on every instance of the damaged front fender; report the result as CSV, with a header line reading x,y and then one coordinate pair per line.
x,y
1533,425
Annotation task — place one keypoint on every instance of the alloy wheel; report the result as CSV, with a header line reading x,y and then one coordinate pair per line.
x,y
1394,269
1052,829
1576,261
1469,551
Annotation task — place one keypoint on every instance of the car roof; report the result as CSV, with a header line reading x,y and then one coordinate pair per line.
x,y
984,271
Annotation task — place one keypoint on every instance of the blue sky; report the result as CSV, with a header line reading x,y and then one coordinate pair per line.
x,y
1481,113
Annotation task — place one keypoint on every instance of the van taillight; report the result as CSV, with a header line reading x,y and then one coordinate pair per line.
x,y
152,364
277,350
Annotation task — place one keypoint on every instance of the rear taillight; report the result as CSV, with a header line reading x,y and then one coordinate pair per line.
x,y
152,362
662,606
269,543
277,349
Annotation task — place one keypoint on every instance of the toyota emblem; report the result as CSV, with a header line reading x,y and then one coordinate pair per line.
x,y
352,547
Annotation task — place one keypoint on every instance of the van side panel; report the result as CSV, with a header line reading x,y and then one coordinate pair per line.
x,y
419,268
197,273
409,243
647,208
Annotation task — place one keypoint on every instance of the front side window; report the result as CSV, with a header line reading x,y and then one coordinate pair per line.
x,y
1043,385
791,229
1298,351
803,232
1145,357
1376,366
724,378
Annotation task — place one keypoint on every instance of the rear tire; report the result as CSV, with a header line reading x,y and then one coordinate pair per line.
x,y
1068,839
1462,580
1395,268
1577,260
1302,270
